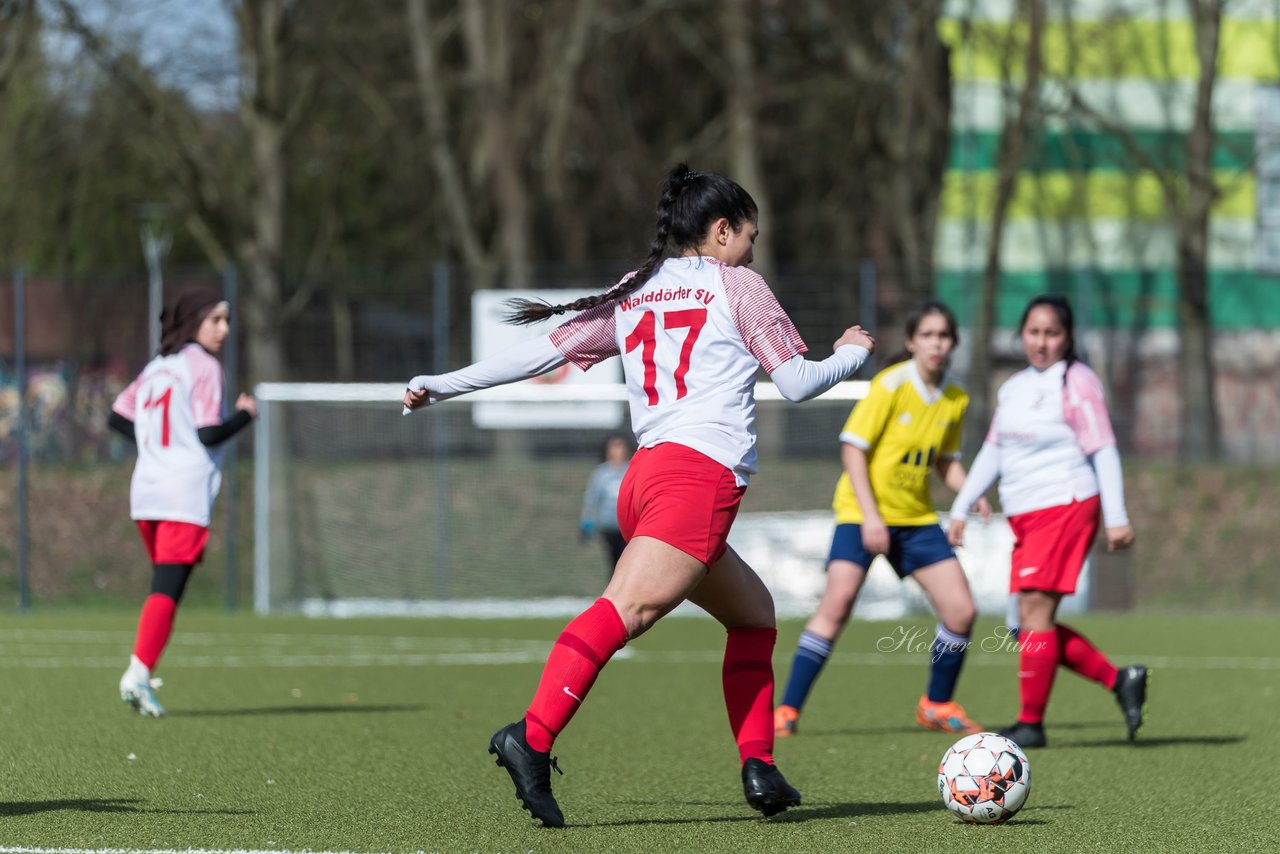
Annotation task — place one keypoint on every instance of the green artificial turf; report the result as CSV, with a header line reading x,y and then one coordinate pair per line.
x,y
370,735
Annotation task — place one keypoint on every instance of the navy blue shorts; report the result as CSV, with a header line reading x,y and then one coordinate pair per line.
x,y
910,547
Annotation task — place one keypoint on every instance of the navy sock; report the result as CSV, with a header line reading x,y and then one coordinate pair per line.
x,y
948,655
811,653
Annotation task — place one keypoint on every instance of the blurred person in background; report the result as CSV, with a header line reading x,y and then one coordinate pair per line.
x,y
693,331
600,500
907,428
1052,447
173,412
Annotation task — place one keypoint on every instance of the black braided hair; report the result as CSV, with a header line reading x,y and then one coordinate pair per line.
x,y
687,206
1062,308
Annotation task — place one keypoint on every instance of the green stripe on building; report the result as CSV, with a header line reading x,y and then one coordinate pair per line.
x,y
1099,152
1121,299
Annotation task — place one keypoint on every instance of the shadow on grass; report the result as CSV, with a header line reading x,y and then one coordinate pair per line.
x,y
888,730
100,805
791,816
295,710
1167,741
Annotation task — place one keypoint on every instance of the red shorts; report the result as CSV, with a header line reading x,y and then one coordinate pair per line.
x,y
173,542
1050,545
684,498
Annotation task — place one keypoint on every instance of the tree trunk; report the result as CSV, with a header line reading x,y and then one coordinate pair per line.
x,y
1013,138
918,141
744,146
1200,439
17,24
261,249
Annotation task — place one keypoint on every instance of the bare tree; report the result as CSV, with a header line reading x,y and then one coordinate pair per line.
x,y
515,86
235,212
1189,194
17,24
1018,124
901,72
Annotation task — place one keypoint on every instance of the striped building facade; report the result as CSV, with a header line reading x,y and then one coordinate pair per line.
x,y
1089,218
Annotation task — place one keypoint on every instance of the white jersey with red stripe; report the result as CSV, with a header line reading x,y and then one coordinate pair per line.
x,y
1046,429
692,339
176,477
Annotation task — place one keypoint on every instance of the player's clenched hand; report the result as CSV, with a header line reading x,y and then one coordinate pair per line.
x,y
1119,537
417,395
858,336
955,532
246,403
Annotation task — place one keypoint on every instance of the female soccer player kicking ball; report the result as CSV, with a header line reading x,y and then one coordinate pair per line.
x,y
692,331
173,411
908,426
1053,449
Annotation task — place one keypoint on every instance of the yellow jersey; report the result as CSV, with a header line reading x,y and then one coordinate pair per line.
x,y
904,429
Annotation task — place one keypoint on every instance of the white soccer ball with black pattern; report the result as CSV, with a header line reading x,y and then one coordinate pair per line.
x,y
984,778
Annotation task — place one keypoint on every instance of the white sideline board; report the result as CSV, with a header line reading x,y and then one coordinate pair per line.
x,y
789,553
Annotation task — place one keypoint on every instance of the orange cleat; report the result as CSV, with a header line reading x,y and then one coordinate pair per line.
x,y
944,717
785,721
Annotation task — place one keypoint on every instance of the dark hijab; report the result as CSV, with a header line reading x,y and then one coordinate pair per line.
x,y
180,321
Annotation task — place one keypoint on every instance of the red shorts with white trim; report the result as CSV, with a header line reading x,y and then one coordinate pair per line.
x,y
173,542
1050,545
680,496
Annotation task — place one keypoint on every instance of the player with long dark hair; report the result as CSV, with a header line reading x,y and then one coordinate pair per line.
x,y
173,411
692,331
1053,449
907,428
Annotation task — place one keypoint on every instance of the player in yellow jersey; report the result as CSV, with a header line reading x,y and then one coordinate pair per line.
x,y
908,426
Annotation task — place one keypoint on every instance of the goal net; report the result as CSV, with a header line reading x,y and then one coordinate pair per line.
x,y
471,507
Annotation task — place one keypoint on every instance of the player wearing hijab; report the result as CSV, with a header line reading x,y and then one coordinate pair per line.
x,y
173,411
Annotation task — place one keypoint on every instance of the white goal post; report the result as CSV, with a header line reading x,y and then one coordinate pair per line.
x,y
459,511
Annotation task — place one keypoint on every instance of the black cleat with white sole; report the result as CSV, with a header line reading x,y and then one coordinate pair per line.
x,y
766,789
530,770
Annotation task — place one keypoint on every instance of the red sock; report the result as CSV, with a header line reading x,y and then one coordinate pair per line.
x,y
154,627
1085,658
1037,666
582,650
748,690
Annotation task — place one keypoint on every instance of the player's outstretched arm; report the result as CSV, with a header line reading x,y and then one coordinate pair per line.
x,y
799,379
525,360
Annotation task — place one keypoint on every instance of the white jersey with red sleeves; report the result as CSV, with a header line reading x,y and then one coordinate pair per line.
x,y
691,339
176,478
1046,430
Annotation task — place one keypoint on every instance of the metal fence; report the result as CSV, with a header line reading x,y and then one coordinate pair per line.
x,y
68,345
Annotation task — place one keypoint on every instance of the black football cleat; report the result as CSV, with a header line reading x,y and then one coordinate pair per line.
x,y
766,789
1131,693
1025,735
530,771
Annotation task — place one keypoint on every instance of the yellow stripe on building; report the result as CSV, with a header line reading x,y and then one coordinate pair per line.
x,y
1096,195
1121,47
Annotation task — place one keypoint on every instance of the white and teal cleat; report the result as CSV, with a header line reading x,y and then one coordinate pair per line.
x,y
142,696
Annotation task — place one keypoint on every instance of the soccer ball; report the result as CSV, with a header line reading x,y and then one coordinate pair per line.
x,y
984,778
